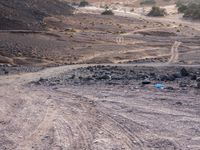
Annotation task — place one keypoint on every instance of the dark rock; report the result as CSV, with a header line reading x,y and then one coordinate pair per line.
x,y
80,78
183,84
5,71
170,88
193,77
184,72
53,84
116,77
152,74
171,78
36,83
163,78
146,82
113,83
198,85
179,103
72,77
90,68
142,76
176,75
85,79
28,14
104,77
198,79
42,80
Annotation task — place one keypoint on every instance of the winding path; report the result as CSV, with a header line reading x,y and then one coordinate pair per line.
x,y
174,52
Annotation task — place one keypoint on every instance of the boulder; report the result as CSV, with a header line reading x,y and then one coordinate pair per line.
x,y
184,72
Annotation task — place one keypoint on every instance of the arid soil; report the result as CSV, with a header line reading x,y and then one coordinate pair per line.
x,y
103,116
73,79
29,14
88,37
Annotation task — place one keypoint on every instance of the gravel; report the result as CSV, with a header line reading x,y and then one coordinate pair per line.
x,y
115,75
7,70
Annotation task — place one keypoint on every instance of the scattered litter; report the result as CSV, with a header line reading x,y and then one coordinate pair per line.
x,y
159,86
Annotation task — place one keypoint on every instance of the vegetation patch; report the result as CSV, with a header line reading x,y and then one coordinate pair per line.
x,y
83,4
190,10
107,12
157,12
148,2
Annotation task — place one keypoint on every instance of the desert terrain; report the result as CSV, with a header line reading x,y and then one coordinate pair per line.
x,y
73,79
88,37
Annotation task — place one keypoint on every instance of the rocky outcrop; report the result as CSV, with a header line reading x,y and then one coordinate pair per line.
x,y
29,14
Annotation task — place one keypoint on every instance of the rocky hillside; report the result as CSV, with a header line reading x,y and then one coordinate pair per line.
x,y
29,14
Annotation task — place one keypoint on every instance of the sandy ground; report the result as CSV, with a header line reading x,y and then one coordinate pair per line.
x,y
88,37
99,116
96,117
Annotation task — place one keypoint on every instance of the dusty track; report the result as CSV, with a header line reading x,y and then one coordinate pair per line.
x,y
96,118
174,53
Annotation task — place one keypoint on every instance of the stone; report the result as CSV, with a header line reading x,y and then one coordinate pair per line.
x,y
146,81
184,72
176,75
72,77
104,77
198,79
183,84
171,78
170,88
42,80
179,103
163,78
88,78
193,77
198,85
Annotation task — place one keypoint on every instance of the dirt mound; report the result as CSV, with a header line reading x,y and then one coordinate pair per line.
x,y
29,14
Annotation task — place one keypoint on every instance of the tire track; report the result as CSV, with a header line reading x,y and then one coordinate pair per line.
x,y
110,124
76,121
174,52
41,129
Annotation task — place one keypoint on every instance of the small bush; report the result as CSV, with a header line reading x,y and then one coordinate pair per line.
x,y
83,4
107,12
148,2
182,8
75,4
179,3
190,10
157,11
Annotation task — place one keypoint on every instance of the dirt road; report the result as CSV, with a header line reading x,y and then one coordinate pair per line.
x,y
94,117
174,53
174,20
